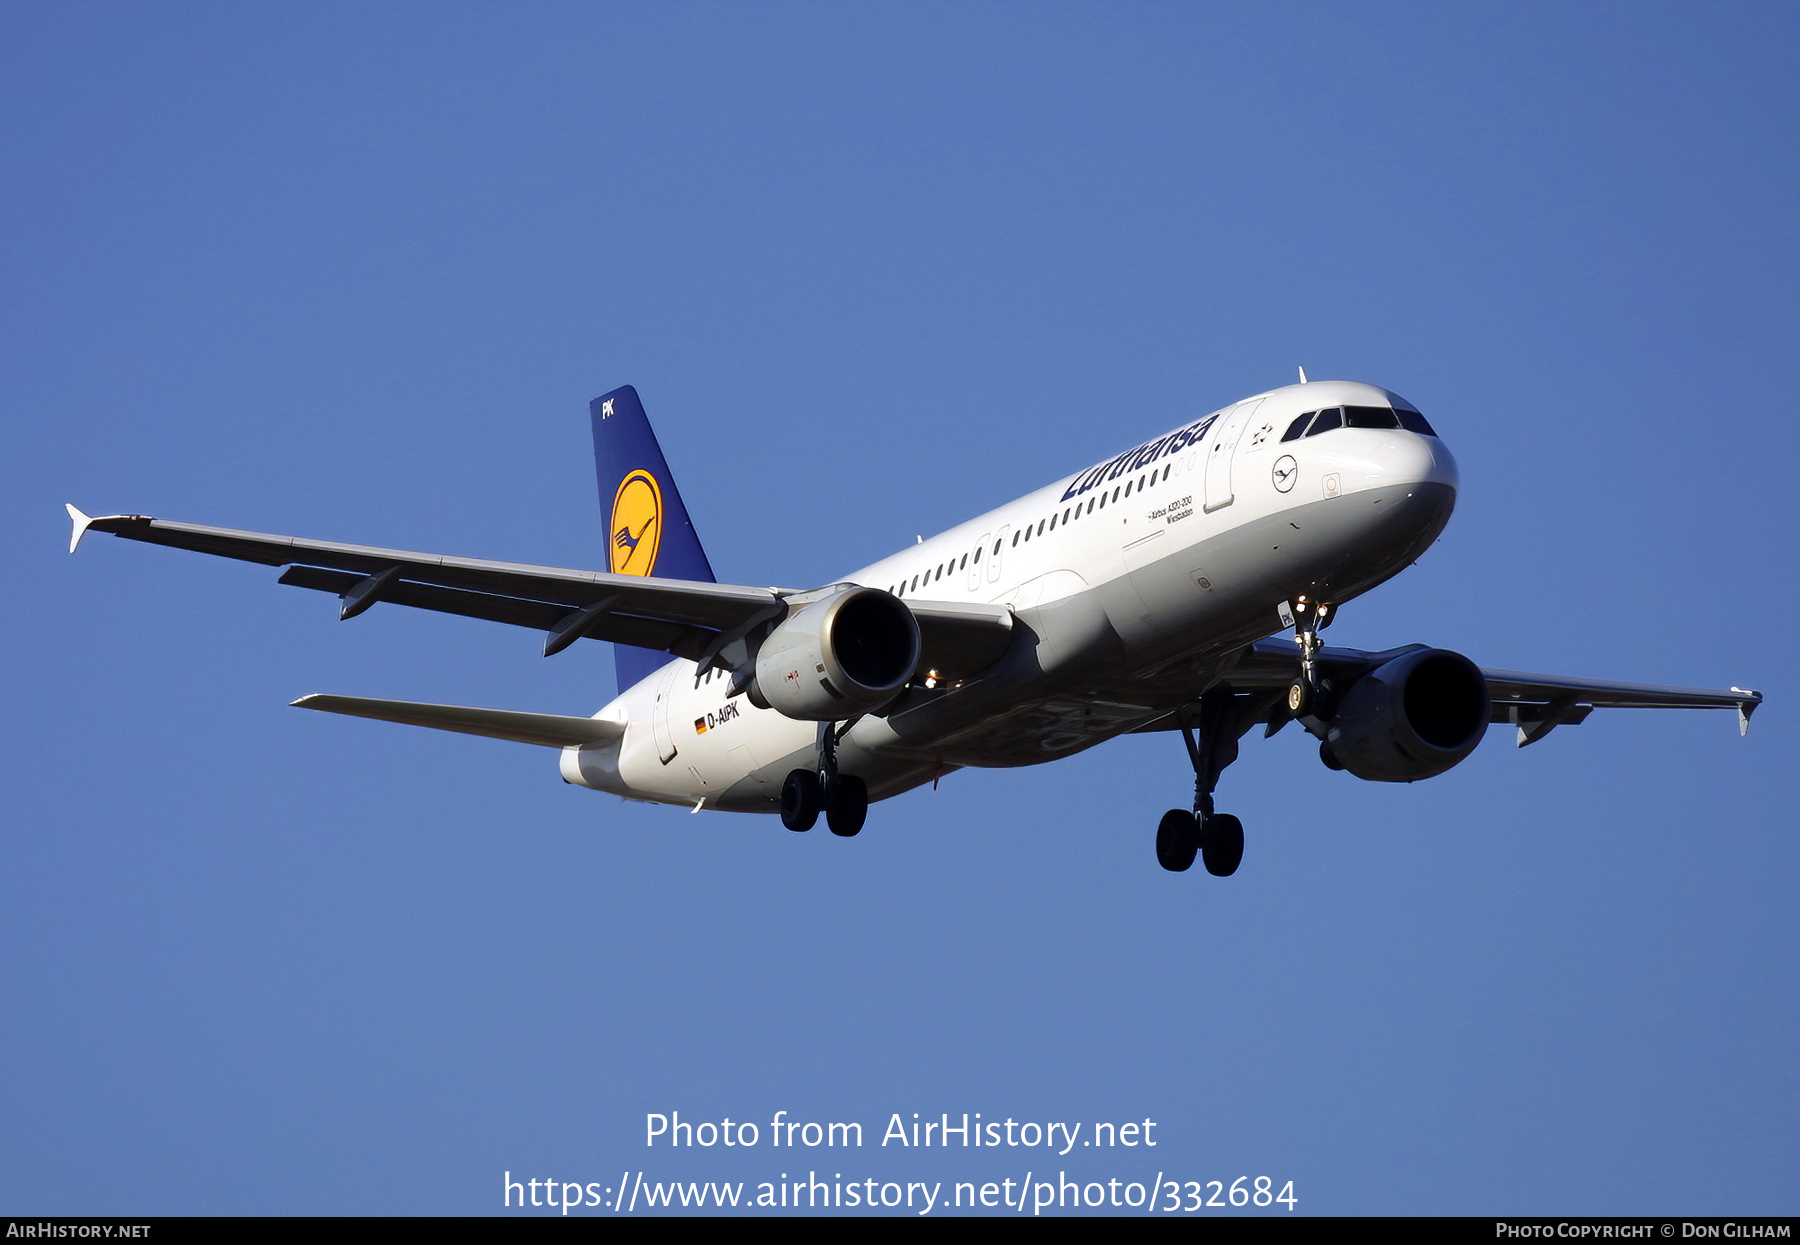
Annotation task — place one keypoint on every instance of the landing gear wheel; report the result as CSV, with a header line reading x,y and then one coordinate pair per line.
x,y
801,796
1222,845
1175,841
846,805
1299,698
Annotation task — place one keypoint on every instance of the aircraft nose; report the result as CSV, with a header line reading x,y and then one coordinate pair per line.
x,y
1415,459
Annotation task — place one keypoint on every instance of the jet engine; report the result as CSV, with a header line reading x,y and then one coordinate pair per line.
x,y
1412,718
837,657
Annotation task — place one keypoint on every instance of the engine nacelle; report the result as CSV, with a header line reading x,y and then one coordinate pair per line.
x,y
1413,718
837,657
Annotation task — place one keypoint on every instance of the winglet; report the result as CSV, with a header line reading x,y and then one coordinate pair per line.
x,y
80,521
1746,708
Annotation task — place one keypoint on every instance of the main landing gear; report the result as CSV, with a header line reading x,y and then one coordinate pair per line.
x,y
844,798
1217,838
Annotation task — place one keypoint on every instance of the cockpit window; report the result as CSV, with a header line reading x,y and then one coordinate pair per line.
x,y
1356,417
1369,417
1332,417
1412,421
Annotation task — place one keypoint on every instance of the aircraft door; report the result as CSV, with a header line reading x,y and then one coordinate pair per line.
x,y
659,716
982,550
1221,452
996,551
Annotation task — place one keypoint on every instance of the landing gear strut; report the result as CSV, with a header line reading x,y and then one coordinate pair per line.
x,y
1305,616
1217,838
844,798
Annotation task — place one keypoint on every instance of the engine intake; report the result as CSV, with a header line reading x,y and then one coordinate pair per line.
x,y
1412,718
837,657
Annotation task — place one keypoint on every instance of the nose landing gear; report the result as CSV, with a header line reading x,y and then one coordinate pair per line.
x,y
1306,617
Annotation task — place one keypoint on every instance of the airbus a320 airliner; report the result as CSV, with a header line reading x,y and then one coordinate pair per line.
x,y
1148,592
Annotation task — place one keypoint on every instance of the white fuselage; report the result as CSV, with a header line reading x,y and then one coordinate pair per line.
x,y
1133,584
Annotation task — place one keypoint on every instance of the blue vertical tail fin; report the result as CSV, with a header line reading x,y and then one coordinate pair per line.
x,y
648,531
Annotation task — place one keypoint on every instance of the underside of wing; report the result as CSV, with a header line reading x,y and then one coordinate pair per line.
x,y
698,621
1535,703
671,615
548,730
958,639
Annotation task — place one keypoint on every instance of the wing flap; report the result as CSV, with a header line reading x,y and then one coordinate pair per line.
x,y
684,641
547,730
520,613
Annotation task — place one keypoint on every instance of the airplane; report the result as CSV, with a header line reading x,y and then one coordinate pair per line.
x,y
1148,592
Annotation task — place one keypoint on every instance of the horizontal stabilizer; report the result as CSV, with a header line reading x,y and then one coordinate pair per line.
x,y
550,730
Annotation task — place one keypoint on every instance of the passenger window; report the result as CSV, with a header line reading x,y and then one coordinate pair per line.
x,y
965,562
1166,470
1298,427
1090,508
1040,527
1369,417
1102,502
1128,488
1016,539
978,557
1327,420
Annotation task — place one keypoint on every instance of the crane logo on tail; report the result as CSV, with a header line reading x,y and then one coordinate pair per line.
x,y
636,527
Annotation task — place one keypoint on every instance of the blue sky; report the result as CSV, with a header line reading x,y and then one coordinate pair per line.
x,y
353,272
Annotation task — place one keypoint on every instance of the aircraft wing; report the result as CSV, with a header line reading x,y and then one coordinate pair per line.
x,y
1535,703
686,619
